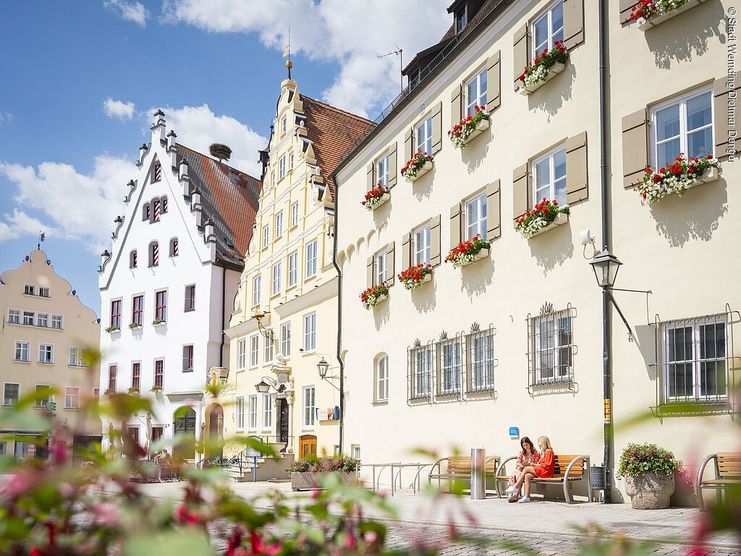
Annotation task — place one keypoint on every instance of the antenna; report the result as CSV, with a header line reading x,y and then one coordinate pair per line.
x,y
400,53
287,53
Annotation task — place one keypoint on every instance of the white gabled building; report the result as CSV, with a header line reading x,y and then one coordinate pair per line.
x,y
168,283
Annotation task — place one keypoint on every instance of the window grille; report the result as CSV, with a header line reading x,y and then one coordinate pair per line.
x,y
451,354
551,350
480,362
421,364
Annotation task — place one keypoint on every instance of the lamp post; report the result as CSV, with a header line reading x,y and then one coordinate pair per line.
x,y
322,367
605,266
265,384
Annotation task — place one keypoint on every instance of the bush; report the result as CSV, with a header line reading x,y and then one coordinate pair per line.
x,y
344,464
641,459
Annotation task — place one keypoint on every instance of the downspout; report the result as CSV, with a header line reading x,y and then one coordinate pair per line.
x,y
223,315
339,316
606,333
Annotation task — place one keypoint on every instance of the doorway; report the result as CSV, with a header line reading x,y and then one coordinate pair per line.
x,y
184,427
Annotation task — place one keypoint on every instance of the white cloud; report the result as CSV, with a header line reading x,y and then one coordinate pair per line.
x,y
346,31
130,11
5,118
119,109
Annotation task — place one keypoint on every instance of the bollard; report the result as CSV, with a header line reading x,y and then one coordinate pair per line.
x,y
478,473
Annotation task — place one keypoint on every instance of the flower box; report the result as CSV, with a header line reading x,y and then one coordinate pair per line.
x,y
484,253
560,219
374,295
662,14
546,65
415,276
679,176
544,216
134,326
469,128
159,322
113,329
376,197
552,72
417,167
309,480
468,252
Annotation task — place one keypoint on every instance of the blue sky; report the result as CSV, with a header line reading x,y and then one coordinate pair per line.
x,y
215,67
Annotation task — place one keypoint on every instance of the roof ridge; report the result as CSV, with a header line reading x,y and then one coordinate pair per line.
x,y
356,116
220,162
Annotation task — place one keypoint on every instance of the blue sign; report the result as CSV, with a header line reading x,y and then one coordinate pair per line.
x,y
514,432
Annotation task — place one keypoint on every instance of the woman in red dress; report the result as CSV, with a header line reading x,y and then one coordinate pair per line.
x,y
542,470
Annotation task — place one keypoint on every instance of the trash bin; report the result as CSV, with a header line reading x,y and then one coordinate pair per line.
x,y
478,473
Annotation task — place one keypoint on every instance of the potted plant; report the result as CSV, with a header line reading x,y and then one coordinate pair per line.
x,y
112,329
157,322
374,295
376,197
417,166
682,174
135,326
544,216
306,473
468,252
469,127
416,275
546,65
649,475
133,390
649,13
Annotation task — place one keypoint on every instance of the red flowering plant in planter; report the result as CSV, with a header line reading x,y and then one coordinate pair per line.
x,y
677,177
540,217
376,197
462,131
538,71
467,252
420,161
645,10
374,295
414,276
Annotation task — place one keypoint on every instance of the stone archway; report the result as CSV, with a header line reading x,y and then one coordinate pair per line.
x,y
215,428
184,432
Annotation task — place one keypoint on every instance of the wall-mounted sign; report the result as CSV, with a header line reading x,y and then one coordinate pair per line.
x,y
514,432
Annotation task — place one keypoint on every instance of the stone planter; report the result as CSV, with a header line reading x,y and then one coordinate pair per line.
x,y
553,71
649,491
561,218
309,480
653,22
426,167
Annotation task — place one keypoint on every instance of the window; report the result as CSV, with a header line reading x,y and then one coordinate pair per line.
x,y
241,353
156,210
450,367
279,224
381,267
11,393
174,248
43,393
42,319
684,125
267,410
29,290
310,332
190,298
22,351
256,291
553,337
160,306
277,271
265,236
292,269
696,360
146,212
240,413
285,339
382,379
57,322
476,92
284,125
382,170
549,177
43,292
133,259
476,217
290,161
309,398
311,250
294,214
423,136
112,370
269,347
254,350
14,316
253,412
547,29
422,245
137,309
154,254
282,167
72,397
157,172
481,355
29,318
461,18
421,372
188,358
136,373
75,357
159,372
46,353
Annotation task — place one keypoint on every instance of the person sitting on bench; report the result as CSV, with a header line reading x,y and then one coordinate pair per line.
x,y
528,456
541,470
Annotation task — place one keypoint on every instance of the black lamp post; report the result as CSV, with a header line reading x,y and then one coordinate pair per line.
x,y
605,266
322,367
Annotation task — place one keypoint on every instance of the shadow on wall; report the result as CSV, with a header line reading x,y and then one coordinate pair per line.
x,y
553,248
424,296
695,215
382,312
474,153
381,215
477,277
551,96
422,186
681,37
645,340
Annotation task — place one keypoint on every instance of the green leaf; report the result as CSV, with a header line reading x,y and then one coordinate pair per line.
x,y
170,543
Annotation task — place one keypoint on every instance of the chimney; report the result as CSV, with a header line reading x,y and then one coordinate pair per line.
x,y
158,128
183,177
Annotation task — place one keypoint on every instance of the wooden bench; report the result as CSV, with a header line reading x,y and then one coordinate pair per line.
x,y
458,468
568,469
727,473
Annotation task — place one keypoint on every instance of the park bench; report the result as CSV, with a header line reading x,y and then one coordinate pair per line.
x,y
567,470
458,468
727,473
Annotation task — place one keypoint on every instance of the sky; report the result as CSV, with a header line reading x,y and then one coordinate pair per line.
x,y
80,81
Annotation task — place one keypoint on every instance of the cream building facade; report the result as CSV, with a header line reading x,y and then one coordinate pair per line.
x,y
511,345
45,329
285,313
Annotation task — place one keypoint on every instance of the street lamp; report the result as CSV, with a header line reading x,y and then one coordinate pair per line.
x,y
265,384
605,266
322,367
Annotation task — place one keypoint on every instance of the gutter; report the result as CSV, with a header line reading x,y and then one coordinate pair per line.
x,y
339,318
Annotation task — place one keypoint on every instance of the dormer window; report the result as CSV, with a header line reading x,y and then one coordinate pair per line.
x,y
461,18
133,259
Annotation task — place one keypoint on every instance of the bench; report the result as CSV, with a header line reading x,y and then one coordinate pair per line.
x,y
727,473
568,469
458,468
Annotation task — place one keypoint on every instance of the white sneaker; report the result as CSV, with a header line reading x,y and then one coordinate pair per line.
x,y
511,490
524,500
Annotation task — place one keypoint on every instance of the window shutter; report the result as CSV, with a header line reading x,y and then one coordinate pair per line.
x,y
406,246
369,174
577,186
435,241
521,57
392,166
573,23
369,271
390,266
408,145
521,190
493,211
493,81
455,105
721,94
635,147
437,129
455,225
625,8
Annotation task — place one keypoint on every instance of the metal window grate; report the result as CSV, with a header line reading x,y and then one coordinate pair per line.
x,y
480,361
420,370
551,350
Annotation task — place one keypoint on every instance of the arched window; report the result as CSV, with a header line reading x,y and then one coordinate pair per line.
x,y
154,254
174,248
163,200
381,379
146,214
133,259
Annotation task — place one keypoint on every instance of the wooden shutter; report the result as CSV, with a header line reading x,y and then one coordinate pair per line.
x,y
721,94
625,8
369,176
577,186
493,211
635,147
393,166
493,81
456,102
370,276
390,266
408,145
456,215
406,250
521,54
437,129
435,241
521,190
573,23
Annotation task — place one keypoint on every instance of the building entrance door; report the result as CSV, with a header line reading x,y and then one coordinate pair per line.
x,y
307,446
184,427
283,420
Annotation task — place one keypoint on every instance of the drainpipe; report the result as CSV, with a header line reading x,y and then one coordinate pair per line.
x,y
606,307
339,317
223,315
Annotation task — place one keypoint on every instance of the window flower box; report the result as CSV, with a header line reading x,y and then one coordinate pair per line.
x,y
156,389
650,13
135,326
133,391
545,67
681,175
469,127
415,276
374,295
158,322
468,252
418,166
546,215
113,329
376,197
